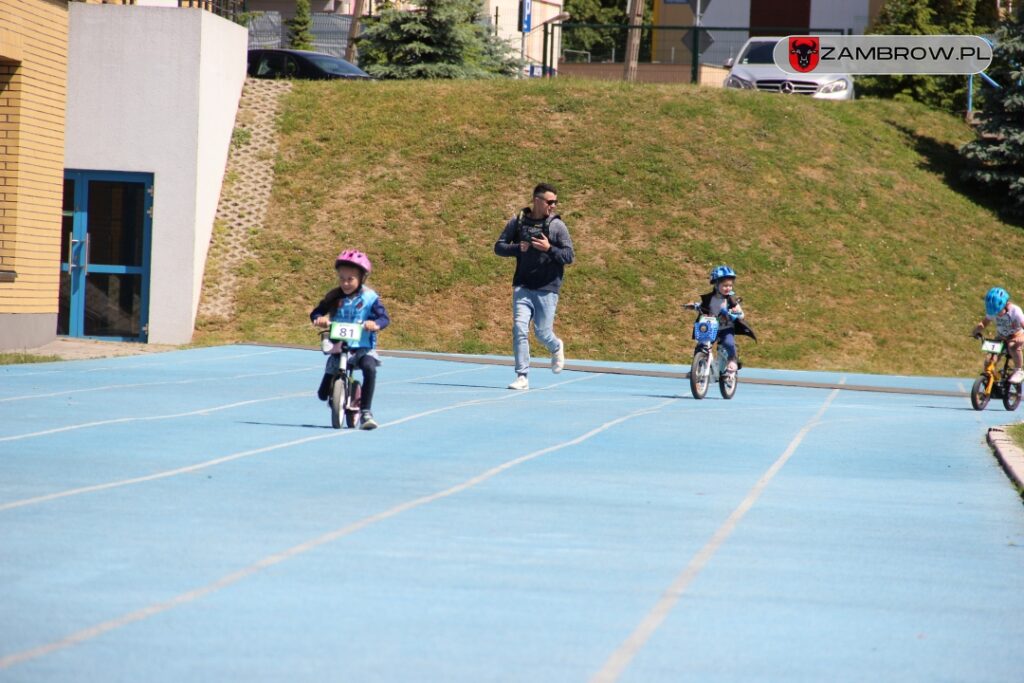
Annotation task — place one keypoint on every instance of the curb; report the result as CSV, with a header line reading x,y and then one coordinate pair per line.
x,y
1009,455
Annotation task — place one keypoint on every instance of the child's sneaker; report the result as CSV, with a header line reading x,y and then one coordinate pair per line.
x,y
366,420
1017,376
732,367
520,383
558,359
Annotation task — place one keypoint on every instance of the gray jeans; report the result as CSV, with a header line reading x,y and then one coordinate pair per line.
x,y
538,306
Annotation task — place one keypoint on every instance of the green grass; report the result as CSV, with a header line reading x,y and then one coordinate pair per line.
x,y
857,249
1016,433
21,358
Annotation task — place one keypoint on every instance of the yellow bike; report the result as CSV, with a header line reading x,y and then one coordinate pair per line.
x,y
995,375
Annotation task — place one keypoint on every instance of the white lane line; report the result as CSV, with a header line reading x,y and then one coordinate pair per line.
x,y
173,363
302,548
27,397
621,658
266,449
203,411
147,418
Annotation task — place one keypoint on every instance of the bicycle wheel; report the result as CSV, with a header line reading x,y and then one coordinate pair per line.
x,y
338,398
979,396
727,385
699,375
352,409
1011,396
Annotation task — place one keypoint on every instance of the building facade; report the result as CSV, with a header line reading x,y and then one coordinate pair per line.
x,y
33,76
141,189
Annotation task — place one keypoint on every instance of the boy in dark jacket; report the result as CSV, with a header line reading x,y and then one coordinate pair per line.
x,y
720,302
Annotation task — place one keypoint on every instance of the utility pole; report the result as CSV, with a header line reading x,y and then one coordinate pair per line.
x,y
636,18
353,31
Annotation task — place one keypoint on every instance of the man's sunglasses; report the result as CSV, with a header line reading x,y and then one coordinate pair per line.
x,y
549,202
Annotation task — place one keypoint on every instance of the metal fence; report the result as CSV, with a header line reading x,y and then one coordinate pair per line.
x,y
330,32
228,9
266,30
666,52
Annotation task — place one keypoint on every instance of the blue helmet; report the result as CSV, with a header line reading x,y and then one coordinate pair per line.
x,y
995,300
721,272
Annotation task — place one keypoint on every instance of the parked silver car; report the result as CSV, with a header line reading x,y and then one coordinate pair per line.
x,y
754,69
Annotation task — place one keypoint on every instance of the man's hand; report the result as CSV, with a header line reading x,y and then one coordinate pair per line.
x,y
541,243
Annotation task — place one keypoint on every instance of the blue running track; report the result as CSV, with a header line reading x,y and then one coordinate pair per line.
x,y
191,516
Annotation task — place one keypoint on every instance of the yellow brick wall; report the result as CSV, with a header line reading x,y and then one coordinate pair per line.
x,y
33,81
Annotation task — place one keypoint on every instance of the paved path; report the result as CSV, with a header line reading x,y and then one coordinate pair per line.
x,y
68,348
190,516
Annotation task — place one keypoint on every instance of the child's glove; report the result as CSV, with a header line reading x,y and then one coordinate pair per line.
x,y
729,314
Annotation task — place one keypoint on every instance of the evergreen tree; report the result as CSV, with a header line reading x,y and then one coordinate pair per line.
x,y
604,41
922,18
440,39
591,38
300,27
995,160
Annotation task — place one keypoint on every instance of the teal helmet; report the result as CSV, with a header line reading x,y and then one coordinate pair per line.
x,y
721,272
995,300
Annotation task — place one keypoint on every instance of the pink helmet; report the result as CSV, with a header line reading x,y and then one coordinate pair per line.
x,y
353,257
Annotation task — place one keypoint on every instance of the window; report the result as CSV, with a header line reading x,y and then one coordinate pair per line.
x,y
271,65
10,104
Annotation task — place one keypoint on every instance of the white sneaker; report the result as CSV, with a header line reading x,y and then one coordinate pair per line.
x,y
732,367
558,359
521,383
1017,377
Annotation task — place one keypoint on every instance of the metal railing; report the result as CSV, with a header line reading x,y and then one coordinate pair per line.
x,y
229,9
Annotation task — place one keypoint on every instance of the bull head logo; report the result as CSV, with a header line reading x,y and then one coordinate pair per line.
x,y
803,53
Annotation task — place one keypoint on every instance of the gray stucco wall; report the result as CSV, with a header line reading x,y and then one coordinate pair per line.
x,y
155,90
20,331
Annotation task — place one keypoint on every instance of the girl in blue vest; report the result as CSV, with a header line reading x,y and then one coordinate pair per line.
x,y
353,302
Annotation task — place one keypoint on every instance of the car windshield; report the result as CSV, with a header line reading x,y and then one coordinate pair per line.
x,y
759,53
335,66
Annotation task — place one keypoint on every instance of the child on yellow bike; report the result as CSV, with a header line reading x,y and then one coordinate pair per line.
x,y
1009,327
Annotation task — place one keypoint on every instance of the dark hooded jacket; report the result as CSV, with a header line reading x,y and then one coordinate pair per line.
x,y
739,327
536,269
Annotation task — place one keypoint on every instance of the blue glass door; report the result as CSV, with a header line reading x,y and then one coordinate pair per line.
x,y
105,242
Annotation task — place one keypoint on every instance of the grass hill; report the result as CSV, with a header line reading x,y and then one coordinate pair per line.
x,y
856,247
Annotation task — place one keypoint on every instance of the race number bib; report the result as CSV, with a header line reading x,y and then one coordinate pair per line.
x,y
992,346
346,332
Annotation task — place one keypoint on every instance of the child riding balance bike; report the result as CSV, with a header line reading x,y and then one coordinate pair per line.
x,y
719,320
350,315
996,381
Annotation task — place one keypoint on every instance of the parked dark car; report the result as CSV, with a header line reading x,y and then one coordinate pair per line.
x,y
273,63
